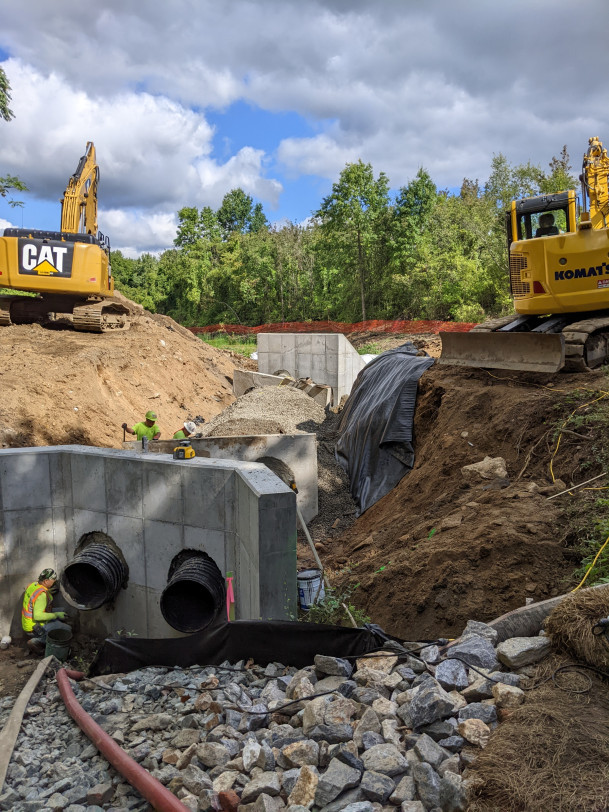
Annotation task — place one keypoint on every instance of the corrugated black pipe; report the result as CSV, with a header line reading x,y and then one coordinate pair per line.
x,y
94,576
194,595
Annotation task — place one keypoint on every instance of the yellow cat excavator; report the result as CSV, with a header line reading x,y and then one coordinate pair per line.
x,y
69,269
559,278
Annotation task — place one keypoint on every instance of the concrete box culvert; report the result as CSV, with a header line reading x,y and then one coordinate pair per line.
x,y
237,512
195,592
95,574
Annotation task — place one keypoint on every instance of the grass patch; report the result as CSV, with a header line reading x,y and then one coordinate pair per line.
x,y
331,608
243,345
370,349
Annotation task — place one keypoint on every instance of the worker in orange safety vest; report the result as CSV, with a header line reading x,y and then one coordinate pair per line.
x,y
35,614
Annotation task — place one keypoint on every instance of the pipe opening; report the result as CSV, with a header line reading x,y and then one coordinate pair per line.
x,y
195,592
95,574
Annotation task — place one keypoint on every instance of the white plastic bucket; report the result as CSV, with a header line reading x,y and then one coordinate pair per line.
x,y
309,582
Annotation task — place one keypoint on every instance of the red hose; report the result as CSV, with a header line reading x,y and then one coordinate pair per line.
x,y
152,790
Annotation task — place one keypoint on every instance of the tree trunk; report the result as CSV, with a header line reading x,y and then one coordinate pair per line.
x,y
360,260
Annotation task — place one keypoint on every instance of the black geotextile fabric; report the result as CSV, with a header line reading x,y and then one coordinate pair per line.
x,y
375,444
265,641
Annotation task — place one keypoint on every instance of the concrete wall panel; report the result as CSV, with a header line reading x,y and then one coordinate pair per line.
x,y
162,493
124,488
327,358
26,482
88,481
161,541
212,542
86,521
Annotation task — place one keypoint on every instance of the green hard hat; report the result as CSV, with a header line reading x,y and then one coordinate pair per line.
x,y
150,416
47,574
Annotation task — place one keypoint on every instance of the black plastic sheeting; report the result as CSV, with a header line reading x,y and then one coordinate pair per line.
x,y
265,641
375,445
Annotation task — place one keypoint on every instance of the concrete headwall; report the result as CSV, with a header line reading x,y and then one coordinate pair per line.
x,y
297,451
152,506
326,358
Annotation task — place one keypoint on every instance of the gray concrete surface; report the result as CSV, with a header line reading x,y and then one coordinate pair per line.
x,y
152,506
297,451
326,358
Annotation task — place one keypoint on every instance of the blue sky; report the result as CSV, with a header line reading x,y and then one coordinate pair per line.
x,y
189,99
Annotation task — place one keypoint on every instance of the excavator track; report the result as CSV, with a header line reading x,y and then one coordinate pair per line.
x,y
5,310
586,344
100,317
90,316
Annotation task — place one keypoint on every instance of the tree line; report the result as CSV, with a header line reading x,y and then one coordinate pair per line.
x,y
419,253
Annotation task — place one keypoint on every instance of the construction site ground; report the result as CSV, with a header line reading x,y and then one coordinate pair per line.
x,y
432,554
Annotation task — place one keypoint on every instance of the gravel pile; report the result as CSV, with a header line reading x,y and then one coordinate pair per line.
x,y
282,409
395,731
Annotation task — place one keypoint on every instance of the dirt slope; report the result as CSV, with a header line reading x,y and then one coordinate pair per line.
x,y
59,386
436,552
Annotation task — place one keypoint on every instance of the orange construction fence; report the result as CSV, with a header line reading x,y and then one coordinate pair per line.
x,y
372,326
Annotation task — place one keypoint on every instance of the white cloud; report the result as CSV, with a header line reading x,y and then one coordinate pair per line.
x,y
153,153
400,85
133,231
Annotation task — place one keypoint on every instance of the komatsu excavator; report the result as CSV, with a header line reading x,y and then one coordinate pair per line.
x,y
559,278
69,269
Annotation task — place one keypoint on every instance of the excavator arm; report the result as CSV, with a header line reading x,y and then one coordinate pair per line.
x,y
595,183
79,203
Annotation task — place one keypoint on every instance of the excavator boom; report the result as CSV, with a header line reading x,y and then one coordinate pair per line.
x,y
79,203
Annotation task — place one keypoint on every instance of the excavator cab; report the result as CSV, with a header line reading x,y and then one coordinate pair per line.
x,y
541,216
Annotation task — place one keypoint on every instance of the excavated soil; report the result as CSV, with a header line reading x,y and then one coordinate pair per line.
x,y
62,387
437,551
432,554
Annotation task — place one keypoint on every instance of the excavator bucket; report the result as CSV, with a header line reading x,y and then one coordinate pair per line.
x,y
528,352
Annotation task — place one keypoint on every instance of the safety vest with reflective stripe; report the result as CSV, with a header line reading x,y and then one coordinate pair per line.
x,y
32,593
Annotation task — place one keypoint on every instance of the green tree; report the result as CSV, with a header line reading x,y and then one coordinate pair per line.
x,y
5,97
238,215
561,177
8,182
189,227
415,204
349,221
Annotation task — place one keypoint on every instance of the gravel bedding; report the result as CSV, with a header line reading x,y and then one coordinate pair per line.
x,y
388,731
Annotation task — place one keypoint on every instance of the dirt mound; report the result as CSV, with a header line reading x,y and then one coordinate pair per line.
x,y
60,386
438,550
376,343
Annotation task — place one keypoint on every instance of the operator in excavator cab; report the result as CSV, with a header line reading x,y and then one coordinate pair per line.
x,y
547,226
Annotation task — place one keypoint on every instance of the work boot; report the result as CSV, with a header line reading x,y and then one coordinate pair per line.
x,y
36,645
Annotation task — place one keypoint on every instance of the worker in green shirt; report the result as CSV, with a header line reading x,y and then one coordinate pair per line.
x,y
36,614
187,429
148,428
